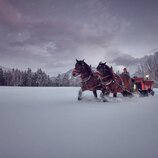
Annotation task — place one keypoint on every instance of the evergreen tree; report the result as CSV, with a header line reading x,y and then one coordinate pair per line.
x,y
29,75
2,81
66,81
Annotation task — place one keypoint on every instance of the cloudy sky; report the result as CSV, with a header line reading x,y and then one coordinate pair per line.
x,y
51,34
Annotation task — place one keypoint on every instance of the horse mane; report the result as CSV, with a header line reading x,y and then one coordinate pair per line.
x,y
108,70
88,68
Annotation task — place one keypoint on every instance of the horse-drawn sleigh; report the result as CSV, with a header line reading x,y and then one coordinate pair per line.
x,y
104,79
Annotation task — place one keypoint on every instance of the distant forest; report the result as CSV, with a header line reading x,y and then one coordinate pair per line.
x,y
16,77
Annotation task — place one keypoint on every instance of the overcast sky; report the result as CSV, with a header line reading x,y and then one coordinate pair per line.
x,y
51,34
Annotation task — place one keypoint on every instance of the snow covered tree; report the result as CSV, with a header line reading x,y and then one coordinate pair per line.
x,y
58,81
29,75
65,81
42,79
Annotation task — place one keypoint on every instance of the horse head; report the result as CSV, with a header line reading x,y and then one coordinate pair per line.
x,y
81,68
103,68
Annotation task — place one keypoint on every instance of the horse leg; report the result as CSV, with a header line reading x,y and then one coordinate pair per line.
x,y
80,94
102,96
115,94
95,94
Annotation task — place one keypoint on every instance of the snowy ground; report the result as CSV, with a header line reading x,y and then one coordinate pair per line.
x,y
51,123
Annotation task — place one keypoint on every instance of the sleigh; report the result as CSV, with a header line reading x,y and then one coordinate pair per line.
x,y
142,86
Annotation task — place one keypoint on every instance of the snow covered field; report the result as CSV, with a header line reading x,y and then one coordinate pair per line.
x,y
51,123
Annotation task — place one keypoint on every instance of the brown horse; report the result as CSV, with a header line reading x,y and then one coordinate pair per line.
x,y
89,80
112,82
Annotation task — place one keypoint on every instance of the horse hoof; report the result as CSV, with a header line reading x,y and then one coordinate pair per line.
x,y
79,99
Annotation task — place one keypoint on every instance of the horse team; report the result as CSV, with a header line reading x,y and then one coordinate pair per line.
x,y
104,79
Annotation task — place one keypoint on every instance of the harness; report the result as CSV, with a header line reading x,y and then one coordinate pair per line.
x,y
105,83
113,80
85,81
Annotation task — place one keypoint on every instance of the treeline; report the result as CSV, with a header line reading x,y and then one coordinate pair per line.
x,y
28,78
16,77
